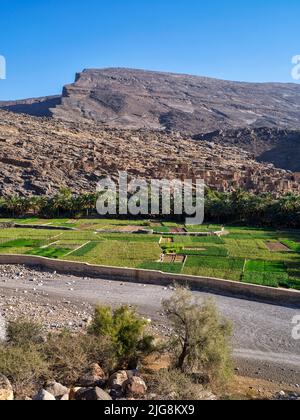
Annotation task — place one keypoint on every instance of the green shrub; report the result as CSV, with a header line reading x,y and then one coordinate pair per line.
x,y
201,339
126,331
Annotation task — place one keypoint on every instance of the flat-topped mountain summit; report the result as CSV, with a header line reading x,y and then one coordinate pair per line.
x,y
135,99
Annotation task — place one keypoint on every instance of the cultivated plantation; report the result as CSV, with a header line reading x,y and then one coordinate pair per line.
x,y
260,256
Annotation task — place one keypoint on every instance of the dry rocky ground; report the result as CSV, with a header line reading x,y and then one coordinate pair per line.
x,y
56,311
39,156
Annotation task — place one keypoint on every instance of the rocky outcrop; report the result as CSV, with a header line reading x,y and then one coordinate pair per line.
x,y
39,156
272,145
135,99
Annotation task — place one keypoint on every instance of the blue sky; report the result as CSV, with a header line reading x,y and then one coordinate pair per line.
x,y
46,42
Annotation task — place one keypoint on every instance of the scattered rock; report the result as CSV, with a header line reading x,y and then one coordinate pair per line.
x,y
6,390
116,382
44,395
118,378
56,389
92,394
135,387
93,376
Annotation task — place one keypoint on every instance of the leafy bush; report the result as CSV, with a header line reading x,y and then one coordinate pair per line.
x,y
201,340
126,331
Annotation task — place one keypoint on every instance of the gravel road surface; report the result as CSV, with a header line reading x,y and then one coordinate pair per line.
x,y
263,343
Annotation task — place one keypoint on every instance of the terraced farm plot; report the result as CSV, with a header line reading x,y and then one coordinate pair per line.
x,y
174,259
277,247
120,254
210,256
165,241
203,228
50,252
291,245
216,251
266,273
85,249
226,268
196,241
165,267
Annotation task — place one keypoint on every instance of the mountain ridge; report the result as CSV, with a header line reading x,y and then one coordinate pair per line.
x,y
139,98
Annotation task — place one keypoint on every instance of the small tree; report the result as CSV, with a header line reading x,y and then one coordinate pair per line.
x,y
201,342
127,332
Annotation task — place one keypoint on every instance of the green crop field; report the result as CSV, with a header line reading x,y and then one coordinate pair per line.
x,y
244,255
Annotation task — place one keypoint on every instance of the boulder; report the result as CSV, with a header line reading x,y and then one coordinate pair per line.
x,y
73,392
6,390
135,387
118,378
44,395
56,389
92,394
93,376
65,397
116,382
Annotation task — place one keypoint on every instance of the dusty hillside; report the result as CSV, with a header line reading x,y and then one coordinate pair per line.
x,y
273,145
125,98
41,155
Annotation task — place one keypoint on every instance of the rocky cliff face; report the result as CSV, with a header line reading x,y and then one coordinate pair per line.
x,y
277,146
39,156
134,99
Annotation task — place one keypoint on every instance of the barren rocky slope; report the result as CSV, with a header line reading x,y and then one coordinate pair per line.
x,y
126,98
273,145
41,155
38,107
190,104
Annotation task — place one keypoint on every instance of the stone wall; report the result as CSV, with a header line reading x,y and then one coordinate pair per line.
x,y
218,286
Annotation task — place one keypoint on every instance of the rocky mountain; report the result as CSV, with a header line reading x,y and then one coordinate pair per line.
x,y
277,146
40,155
135,99
38,107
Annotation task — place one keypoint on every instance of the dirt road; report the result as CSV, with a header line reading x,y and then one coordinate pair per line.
x,y
263,343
